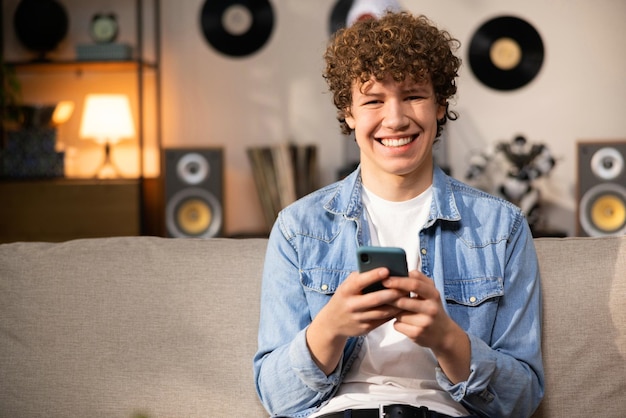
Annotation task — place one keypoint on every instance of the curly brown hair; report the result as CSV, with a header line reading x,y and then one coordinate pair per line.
x,y
396,45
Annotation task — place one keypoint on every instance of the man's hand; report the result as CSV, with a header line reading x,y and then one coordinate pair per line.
x,y
350,313
423,319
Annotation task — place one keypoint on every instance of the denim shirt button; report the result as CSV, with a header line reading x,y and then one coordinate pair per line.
x,y
424,251
324,287
472,299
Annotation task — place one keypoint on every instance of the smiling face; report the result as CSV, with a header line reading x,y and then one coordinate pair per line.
x,y
395,125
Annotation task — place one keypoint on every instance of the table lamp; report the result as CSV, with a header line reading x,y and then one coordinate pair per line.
x,y
107,120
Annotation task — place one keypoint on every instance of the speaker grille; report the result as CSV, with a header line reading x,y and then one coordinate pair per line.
x,y
601,189
193,191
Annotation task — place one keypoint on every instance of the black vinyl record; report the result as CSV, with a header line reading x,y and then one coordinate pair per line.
x,y
506,53
237,27
40,25
339,15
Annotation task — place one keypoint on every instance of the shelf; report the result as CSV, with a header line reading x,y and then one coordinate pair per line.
x,y
64,209
66,181
61,209
38,67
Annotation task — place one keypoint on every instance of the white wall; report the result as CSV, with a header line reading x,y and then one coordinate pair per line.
x,y
579,94
278,94
274,95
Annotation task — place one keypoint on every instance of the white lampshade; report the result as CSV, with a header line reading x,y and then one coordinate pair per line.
x,y
107,118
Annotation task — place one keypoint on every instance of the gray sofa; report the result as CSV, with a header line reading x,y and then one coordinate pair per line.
x,y
123,327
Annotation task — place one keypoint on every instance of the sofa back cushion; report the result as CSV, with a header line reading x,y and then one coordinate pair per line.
x,y
584,333
116,327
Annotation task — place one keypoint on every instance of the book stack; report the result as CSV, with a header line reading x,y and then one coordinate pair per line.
x,y
283,173
103,52
30,153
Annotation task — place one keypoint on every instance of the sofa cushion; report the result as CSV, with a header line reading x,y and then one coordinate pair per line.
x,y
119,326
113,327
584,334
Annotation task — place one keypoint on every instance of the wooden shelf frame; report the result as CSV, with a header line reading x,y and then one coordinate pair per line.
x,y
40,67
139,65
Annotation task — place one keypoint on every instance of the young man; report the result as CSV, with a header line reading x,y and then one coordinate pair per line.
x,y
461,335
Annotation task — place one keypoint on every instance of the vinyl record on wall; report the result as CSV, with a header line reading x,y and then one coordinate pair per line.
x,y
506,53
237,27
339,15
40,25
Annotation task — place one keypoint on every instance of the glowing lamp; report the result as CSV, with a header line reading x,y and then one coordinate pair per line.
x,y
107,120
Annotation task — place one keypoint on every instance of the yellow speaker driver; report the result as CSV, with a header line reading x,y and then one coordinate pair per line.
x,y
193,212
608,213
603,210
194,216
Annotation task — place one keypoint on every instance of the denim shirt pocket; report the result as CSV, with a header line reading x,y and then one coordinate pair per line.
x,y
473,303
319,285
322,280
473,292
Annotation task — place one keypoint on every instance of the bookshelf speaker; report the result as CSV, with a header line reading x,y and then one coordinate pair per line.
x,y
193,192
601,188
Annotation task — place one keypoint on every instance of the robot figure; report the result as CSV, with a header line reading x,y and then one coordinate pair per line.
x,y
525,163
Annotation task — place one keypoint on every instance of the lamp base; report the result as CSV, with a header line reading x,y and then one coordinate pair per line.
x,y
108,170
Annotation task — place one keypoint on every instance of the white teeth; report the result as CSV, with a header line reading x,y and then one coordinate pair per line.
x,y
398,142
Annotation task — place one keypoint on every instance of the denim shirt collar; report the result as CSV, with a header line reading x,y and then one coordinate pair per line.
x,y
444,205
347,200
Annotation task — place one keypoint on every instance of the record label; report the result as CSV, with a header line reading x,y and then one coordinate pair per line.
x,y
237,27
237,20
506,53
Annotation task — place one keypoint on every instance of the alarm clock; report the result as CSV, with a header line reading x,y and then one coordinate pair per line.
x,y
103,27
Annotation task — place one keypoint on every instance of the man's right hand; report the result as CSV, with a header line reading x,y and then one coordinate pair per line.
x,y
350,313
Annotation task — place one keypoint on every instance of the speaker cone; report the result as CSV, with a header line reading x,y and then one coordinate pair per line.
x,y
603,210
192,168
607,163
193,216
193,213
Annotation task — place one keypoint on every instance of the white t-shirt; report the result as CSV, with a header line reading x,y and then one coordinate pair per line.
x,y
390,368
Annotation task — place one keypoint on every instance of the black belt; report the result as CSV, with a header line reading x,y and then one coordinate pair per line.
x,y
389,411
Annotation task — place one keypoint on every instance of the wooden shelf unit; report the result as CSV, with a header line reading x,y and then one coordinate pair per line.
x,y
34,67
62,209
67,208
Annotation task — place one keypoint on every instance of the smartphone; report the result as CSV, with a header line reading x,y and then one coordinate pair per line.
x,y
394,258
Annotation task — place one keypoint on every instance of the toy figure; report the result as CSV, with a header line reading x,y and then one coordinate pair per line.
x,y
526,163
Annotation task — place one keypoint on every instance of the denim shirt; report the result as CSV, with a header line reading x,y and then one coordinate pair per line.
x,y
478,250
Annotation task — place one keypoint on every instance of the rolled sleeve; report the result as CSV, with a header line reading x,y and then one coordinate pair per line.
x,y
482,368
305,368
